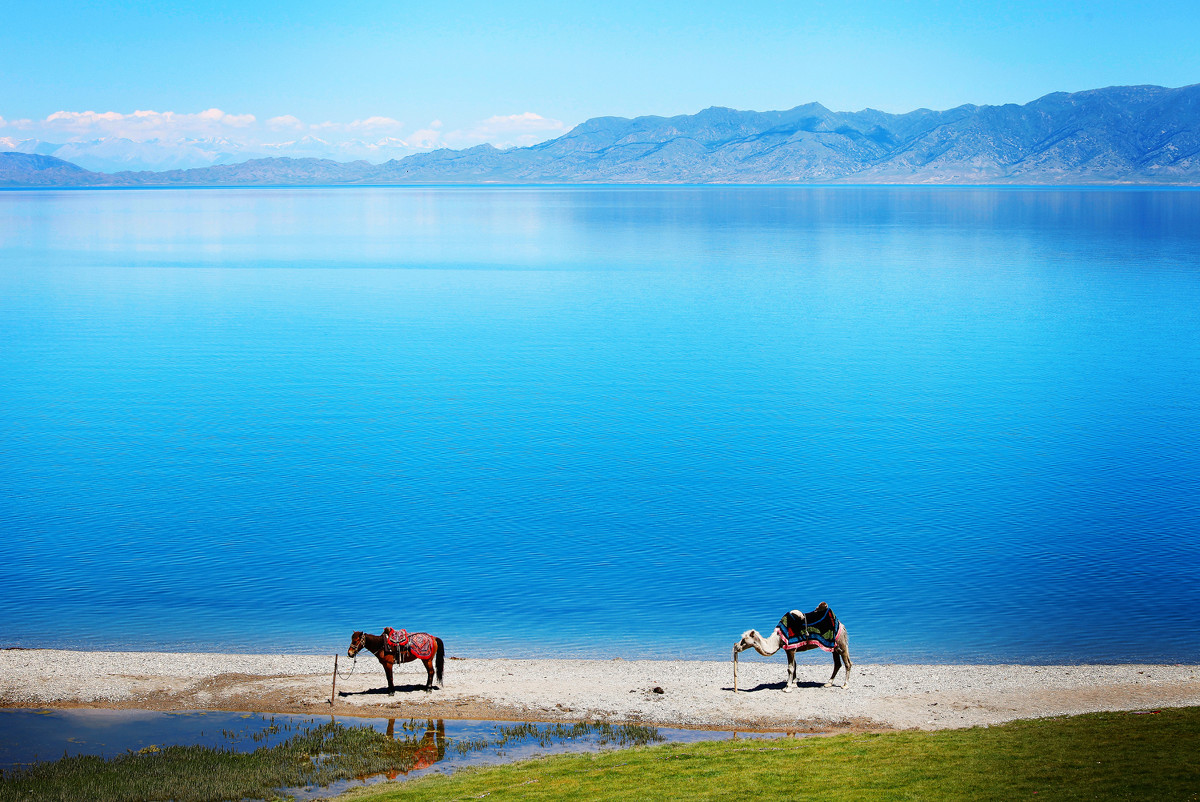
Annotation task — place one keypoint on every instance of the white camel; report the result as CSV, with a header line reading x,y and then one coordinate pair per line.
x,y
772,644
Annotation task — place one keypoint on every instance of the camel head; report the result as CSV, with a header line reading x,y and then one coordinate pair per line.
x,y
750,638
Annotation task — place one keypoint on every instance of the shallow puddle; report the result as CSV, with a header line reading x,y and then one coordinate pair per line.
x,y
30,736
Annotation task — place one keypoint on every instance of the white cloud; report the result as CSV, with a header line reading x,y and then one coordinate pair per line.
x,y
506,131
142,125
286,122
371,125
427,138
376,124
212,134
503,131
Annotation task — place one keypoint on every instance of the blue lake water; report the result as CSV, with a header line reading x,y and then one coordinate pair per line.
x,y
602,421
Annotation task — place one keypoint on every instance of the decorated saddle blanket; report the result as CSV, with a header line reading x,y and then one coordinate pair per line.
x,y
418,644
820,628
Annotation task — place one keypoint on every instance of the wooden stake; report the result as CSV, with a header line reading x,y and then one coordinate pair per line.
x,y
333,693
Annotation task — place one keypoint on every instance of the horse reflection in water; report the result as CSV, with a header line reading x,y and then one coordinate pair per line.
x,y
416,752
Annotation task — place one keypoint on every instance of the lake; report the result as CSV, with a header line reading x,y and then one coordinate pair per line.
x,y
602,421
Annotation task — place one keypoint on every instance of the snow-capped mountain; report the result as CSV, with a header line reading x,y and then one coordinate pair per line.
x,y
378,152
37,146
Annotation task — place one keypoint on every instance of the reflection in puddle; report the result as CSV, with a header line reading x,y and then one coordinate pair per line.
x,y
426,750
423,746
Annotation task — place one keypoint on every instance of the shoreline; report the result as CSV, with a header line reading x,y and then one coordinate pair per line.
x,y
694,694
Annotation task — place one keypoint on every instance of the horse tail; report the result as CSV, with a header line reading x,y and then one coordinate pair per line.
x,y
439,661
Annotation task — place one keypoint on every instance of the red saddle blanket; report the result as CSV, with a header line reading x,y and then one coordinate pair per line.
x,y
418,644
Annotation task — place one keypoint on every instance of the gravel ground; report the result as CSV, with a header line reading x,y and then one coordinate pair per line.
x,y
693,693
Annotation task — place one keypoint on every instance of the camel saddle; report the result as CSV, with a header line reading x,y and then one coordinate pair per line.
x,y
819,628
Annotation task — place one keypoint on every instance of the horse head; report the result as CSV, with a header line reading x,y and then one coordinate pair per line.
x,y
358,642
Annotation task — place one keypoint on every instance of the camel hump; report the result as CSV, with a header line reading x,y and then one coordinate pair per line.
x,y
822,606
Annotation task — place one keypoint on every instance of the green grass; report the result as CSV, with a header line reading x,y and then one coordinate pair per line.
x,y
1097,756
320,755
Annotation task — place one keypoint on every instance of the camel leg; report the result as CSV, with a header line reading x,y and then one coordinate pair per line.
x,y
846,659
841,653
837,664
791,677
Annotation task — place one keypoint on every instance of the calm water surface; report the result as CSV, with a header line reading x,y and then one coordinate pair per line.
x,y
602,421
28,737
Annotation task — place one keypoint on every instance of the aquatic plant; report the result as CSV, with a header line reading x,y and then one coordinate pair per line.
x,y
547,735
317,755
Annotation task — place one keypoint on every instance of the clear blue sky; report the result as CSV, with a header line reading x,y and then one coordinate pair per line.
x,y
459,61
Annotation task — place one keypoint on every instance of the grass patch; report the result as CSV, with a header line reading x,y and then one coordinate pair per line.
x,y
320,755
547,735
1095,756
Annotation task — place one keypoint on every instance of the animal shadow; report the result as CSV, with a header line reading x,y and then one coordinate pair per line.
x,y
382,691
775,686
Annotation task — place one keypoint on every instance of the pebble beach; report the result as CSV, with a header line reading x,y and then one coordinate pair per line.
x,y
695,694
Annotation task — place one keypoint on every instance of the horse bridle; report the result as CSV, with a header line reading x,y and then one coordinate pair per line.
x,y
358,644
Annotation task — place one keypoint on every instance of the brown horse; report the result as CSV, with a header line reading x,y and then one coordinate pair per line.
x,y
388,656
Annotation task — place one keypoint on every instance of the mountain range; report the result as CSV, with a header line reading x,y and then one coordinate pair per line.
x,y
116,154
1126,134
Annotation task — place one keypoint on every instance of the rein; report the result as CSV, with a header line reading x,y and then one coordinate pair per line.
x,y
353,666
358,647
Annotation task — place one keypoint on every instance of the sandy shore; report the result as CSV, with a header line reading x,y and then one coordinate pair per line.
x,y
694,694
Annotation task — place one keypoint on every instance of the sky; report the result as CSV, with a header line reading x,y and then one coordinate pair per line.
x,y
458,72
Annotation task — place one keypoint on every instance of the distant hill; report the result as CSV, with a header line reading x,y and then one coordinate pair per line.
x,y
111,154
35,170
1127,134
270,171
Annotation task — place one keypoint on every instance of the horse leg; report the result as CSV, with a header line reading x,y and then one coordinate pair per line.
x,y
429,667
791,677
387,668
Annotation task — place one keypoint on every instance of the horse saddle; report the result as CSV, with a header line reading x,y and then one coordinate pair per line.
x,y
419,644
396,639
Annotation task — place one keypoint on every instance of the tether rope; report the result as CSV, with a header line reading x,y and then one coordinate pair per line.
x,y
353,666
